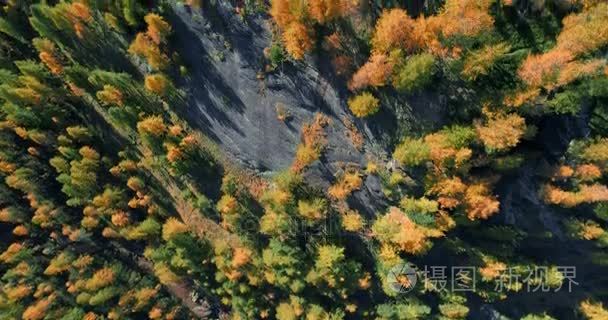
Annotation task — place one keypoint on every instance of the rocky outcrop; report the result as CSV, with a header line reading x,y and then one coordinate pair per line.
x,y
234,103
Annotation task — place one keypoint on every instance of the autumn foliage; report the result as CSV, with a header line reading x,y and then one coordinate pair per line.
x,y
295,19
586,194
502,132
364,104
48,54
156,83
345,185
148,44
394,30
582,33
313,141
297,40
480,203
326,10
152,126
375,72
395,228
158,28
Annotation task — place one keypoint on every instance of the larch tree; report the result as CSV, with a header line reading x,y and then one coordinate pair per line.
x,y
374,72
297,40
158,28
502,132
325,10
364,104
394,30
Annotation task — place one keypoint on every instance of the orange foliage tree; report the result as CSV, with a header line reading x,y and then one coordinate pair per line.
x,y
145,47
480,204
464,17
48,55
158,28
586,194
394,30
326,10
502,132
396,228
297,40
582,33
313,142
152,125
156,83
375,72
588,172
348,183
79,14
296,18
38,310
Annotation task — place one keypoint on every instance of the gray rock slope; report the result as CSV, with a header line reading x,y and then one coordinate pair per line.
x,y
233,105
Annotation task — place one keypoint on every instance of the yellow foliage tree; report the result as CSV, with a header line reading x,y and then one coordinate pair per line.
x,y
593,311
158,28
38,310
479,62
173,227
101,278
164,274
110,95
349,182
352,221
597,151
156,83
152,125
397,229
364,104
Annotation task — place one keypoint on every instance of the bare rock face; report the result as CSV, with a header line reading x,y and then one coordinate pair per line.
x,y
232,101
235,103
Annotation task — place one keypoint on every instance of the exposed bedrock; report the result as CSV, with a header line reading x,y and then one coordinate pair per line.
x,y
234,103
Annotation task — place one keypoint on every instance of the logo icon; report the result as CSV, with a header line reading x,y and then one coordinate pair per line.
x,y
402,278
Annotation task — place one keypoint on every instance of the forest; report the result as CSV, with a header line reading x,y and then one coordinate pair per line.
x,y
304,159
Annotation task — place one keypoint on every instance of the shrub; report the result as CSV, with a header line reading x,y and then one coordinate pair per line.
x,y
276,55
